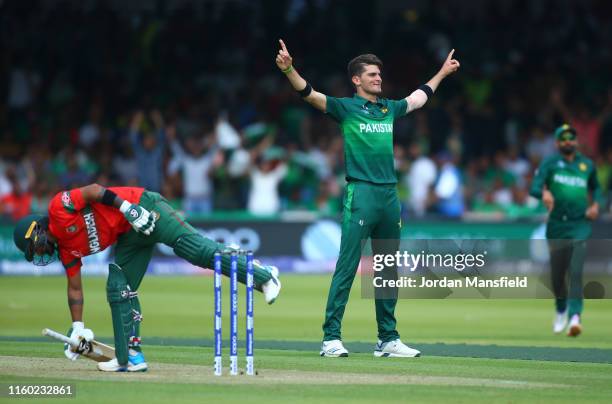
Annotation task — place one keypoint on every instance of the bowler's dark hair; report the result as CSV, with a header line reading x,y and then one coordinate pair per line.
x,y
358,64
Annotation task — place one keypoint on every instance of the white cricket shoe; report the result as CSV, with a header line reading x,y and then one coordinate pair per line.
x,y
395,349
560,322
575,328
136,363
271,289
333,349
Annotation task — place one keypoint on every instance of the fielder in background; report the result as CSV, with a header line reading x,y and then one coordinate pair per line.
x,y
371,204
567,184
87,220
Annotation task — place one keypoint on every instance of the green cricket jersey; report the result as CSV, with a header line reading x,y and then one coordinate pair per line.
x,y
368,136
570,184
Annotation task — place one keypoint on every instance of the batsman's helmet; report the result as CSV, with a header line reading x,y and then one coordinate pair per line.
x,y
31,237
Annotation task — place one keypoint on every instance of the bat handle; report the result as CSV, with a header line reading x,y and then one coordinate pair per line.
x,y
60,337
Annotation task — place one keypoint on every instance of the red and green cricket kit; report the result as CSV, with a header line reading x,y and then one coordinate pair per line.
x,y
83,229
572,184
371,206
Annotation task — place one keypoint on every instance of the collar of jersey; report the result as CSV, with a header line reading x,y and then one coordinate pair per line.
x,y
379,101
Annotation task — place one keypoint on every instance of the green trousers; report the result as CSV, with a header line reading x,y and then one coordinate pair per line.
x,y
370,211
134,250
567,246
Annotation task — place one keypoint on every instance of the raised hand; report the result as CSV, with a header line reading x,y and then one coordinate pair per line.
x,y
450,65
137,119
283,59
157,118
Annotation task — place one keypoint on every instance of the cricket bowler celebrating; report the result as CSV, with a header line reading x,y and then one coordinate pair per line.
x,y
87,220
567,184
371,204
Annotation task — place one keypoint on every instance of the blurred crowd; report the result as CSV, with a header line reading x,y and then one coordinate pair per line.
x,y
184,98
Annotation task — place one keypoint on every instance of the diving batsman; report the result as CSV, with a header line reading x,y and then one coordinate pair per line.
x,y
87,220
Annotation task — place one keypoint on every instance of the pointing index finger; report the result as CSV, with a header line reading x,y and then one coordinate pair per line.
x,y
282,44
450,55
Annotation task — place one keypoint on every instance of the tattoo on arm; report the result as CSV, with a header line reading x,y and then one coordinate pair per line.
x,y
75,301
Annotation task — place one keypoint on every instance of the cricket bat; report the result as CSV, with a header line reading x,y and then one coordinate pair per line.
x,y
94,350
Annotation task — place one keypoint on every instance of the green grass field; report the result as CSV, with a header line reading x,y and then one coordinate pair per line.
x,y
473,350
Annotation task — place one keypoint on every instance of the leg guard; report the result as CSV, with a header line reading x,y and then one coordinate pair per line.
x,y
200,251
125,311
137,317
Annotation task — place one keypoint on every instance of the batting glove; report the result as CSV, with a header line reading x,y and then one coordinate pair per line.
x,y
77,332
141,219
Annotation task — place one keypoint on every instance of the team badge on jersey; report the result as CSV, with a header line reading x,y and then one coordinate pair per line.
x,y
71,229
582,166
67,201
384,110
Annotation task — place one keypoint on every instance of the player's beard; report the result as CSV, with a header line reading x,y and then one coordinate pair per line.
x,y
375,90
567,149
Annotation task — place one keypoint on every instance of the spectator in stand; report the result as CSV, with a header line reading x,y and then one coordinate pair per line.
x,y
148,146
268,171
74,176
91,131
5,183
540,145
516,165
448,189
508,98
40,197
420,179
125,165
17,203
588,125
196,162
23,85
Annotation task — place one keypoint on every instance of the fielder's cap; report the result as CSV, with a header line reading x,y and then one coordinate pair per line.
x,y
24,231
565,132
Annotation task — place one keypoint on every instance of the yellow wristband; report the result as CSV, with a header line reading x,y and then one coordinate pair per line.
x,y
288,70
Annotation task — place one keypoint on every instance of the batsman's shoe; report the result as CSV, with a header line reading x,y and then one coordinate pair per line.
x,y
575,328
271,289
560,322
136,363
395,349
333,349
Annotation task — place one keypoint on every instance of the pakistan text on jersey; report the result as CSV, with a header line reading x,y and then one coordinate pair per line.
x,y
376,127
570,181
92,232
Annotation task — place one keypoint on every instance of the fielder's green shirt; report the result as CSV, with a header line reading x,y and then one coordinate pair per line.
x,y
570,183
368,136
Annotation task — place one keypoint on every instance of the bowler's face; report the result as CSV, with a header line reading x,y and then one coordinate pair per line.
x,y
370,80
